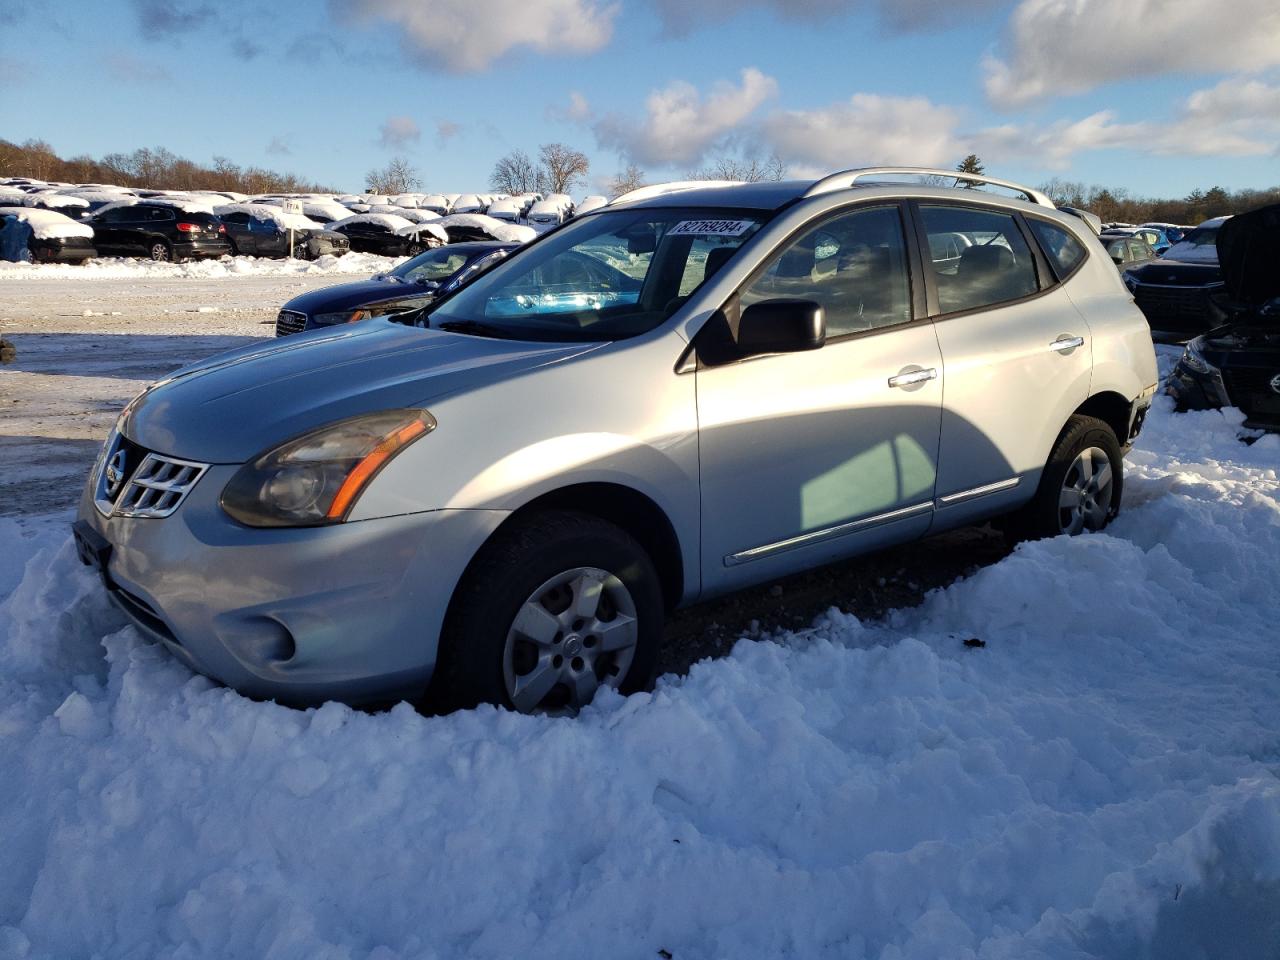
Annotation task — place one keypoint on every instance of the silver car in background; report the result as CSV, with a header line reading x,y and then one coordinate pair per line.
x,y
661,401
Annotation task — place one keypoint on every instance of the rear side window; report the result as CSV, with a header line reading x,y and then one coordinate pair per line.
x,y
854,265
158,213
979,257
1063,250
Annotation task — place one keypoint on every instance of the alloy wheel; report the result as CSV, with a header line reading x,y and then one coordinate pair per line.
x,y
159,252
575,633
1087,489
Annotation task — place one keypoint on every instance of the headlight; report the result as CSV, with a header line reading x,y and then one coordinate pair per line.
x,y
1193,359
342,316
316,478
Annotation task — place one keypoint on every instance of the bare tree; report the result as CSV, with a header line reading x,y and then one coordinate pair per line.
x,y
626,180
746,170
398,176
561,167
515,173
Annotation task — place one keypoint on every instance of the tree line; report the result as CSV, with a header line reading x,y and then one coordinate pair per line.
x,y
1118,204
155,168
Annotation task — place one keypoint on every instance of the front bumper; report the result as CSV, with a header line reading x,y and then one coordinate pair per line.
x,y
1193,390
350,612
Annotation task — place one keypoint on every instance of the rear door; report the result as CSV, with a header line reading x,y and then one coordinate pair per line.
x,y
1016,354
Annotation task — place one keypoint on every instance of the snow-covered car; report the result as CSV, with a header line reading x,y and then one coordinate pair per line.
x,y
1179,293
435,202
546,214
1237,364
264,230
510,210
594,202
69,205
408,286
468,203
469,227
658,403
44,236
380,233
160,228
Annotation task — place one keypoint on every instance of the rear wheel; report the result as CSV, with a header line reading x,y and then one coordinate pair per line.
x,y
414,249
160,251
301,252
1081,485
549,613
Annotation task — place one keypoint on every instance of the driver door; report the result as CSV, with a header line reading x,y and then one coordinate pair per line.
x,y
808,457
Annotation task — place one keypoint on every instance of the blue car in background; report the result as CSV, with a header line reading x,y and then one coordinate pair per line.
x,y
411,285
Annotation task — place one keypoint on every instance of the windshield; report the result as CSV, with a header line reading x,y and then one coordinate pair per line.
x,y
438,264
608,276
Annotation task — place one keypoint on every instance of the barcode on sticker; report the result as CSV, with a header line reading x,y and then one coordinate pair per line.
x,y
711,228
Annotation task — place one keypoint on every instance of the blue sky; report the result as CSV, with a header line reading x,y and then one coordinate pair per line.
x,y
1157,97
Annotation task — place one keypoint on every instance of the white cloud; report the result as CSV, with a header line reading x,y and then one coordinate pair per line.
x,y
680,125
1237,117
680,17
396,133
466,35
1057,47
866,130
446,130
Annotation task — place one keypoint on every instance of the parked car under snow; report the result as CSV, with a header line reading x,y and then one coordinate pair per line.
x,y
44,236
263,230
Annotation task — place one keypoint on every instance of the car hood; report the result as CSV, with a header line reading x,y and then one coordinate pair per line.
x,y
1172,273
234,406
357,294
1249,252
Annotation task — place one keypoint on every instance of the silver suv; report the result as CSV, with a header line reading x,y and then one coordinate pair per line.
x,y
683,393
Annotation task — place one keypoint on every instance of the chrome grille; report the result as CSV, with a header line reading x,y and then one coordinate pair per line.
x,y
290,321
132,482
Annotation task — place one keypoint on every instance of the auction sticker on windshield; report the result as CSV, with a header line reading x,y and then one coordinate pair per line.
x,y
711,228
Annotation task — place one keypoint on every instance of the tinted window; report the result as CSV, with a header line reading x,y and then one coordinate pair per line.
x,y
1063,250
240,219
996,267
159,213
854,265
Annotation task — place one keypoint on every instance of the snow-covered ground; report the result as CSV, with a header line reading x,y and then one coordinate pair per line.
x,y
117,268
1099,780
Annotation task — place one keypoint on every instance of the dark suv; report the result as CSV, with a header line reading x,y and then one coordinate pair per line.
x,y
161,231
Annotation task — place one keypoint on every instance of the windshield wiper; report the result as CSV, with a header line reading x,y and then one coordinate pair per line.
x,y
475,328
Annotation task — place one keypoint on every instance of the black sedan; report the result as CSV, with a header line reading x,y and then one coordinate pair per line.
x,y
376,233
255,236
413,284
1238,363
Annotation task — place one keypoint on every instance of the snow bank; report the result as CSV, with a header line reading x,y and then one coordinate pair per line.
x,y
114,268
1098,781
46,225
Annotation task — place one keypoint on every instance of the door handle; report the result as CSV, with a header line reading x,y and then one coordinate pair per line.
x,y
1065,343
916,376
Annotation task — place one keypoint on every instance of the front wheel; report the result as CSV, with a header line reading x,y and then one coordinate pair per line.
x,y
1081,485
550,612
414,249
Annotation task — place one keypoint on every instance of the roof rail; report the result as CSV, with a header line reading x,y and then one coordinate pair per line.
x,y
849,178
662,189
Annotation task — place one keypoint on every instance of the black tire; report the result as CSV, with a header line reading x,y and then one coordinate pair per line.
x,y
300,252
160,251
234,250
505,575
1045,516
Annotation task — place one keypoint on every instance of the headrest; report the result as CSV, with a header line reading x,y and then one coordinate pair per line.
x,y
988,258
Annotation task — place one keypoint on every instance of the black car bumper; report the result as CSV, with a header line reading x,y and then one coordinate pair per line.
x,y
201,249
1245,387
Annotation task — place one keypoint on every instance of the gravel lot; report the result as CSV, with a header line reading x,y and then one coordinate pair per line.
x,y
85,348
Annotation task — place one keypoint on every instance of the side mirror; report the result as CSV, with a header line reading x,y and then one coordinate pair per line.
x,y
781,326
1117,260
